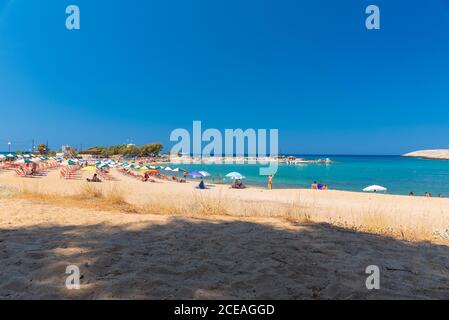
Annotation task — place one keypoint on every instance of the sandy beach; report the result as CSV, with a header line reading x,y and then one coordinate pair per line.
x,y
244,254
347,209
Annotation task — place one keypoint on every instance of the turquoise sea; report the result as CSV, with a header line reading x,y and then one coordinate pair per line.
x,y
353,173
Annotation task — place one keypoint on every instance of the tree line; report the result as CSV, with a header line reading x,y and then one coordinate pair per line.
x,y
130,151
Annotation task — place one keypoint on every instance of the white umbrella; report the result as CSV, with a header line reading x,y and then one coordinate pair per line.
x,y
2,156
168,169
235,176
10,156
26,155
374,188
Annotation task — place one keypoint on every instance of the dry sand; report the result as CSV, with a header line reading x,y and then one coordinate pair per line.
x,y
349,209
139,256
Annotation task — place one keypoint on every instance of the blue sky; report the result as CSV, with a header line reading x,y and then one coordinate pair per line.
x,y
139,69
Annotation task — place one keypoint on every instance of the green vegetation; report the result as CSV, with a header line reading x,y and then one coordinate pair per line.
x,y
42,149
147,150
70,152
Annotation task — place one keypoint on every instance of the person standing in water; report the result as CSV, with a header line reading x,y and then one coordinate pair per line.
x,y
270,182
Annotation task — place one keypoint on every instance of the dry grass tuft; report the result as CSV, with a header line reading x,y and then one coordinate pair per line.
x,y
89,191
382,221
115,196
296,212
88,196
212,206
375,221
196,205
160,205
6,191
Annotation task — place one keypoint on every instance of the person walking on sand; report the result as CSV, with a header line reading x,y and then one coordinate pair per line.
x,y
270,182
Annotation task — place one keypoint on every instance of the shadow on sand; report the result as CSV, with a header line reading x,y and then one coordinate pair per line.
x,y
189,259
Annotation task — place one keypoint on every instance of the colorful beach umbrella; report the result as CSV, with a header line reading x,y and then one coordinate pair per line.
x,y
375,188
195,175
89,168
235,176
21,161
204,173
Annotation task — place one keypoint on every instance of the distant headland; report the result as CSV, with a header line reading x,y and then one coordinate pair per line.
x,y
440,154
